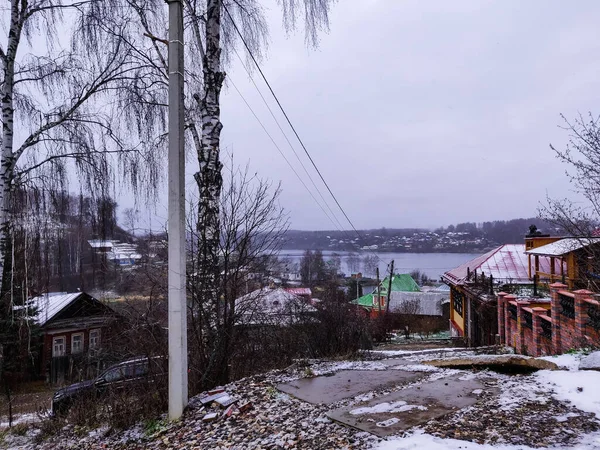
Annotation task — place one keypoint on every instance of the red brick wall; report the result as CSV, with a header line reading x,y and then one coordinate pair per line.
x,y
528,342
567,332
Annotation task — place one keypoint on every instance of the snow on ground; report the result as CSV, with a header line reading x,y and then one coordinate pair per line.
x,y
421,441
580,388
394,407
333,366
22,418
388,353
518,390
569,362
416,368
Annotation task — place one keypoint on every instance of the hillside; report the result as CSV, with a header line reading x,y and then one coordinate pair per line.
x,y
459,238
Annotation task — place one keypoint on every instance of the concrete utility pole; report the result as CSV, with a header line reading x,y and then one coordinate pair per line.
x,y
389,291
378,291
178,380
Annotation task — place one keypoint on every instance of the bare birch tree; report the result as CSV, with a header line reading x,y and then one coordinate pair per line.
x,y
214,28
60,129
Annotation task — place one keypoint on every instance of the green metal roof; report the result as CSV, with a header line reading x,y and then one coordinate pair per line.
x,y
400,283
365,300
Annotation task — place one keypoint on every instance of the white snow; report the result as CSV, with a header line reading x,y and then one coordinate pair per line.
x,y
516,391
569,362
416,368
578,387
421,441
329,367
590,362
566,417
23,418
386,407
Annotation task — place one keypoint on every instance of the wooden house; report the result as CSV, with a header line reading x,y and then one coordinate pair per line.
x,y
573,260
74,327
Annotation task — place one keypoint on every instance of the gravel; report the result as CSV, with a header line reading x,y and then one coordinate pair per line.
x,y
524,413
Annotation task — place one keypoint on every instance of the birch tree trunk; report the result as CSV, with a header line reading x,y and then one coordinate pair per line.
x,y
7,162
210,181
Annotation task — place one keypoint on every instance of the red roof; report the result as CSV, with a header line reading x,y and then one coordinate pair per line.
x,y
300,291
507,263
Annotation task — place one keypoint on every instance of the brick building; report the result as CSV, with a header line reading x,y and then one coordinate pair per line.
x,y
568,320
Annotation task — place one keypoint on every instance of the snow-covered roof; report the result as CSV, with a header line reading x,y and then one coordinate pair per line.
x,y
50,304
563,246
507,263
424,303
300,291
99,243
268,305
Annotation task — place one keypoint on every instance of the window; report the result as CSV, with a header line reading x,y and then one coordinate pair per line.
x,y
76,343
115,374
58,346
94,339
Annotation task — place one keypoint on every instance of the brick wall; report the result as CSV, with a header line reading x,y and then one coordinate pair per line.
x,y
571,321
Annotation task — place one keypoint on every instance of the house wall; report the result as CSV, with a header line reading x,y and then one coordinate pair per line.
x,y
456,318
47,345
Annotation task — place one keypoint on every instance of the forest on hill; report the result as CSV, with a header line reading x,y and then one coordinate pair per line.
x,y
461,237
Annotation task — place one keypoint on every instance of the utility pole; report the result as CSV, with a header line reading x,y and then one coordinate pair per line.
x,y
178,380
378,291
389,291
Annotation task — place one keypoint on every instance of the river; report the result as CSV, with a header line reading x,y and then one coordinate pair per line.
x,y
432,264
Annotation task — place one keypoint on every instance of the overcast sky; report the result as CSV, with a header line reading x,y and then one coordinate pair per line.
x,y
423,113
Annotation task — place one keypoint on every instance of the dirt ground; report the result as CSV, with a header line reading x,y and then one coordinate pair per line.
x,y
415,344
30,398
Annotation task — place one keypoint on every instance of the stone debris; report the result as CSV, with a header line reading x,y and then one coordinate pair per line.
x,y
261,417
210,417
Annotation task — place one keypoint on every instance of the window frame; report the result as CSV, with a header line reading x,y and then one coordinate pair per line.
x,y
82,343
64,345
96,345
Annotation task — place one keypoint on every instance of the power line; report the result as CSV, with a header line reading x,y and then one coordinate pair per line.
x,y
281,153
292,126
287,139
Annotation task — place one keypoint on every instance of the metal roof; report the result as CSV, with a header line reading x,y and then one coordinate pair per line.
x,y
507,263
427,303
268,305
299,291
563,246
50,304
98,243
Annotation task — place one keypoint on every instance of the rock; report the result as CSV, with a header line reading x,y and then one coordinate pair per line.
x,y
497,363
590,362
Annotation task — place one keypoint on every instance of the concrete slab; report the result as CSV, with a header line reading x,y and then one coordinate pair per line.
x,y
406,408
346,384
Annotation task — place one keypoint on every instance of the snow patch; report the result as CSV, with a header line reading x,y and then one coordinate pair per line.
x,y
330,367
416,368
515,392
569,362
421,441
566,417
580,388
386,407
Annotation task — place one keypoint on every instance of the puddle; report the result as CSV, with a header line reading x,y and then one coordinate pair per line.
x,y
346,384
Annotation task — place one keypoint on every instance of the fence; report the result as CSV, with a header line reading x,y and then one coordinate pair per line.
x,y
569,320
